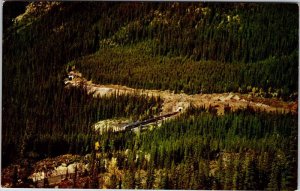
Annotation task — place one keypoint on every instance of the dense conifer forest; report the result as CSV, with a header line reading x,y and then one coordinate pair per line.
x,y
183,47
241,150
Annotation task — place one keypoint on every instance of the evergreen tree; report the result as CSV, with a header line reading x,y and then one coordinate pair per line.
x,y
150,176
15,177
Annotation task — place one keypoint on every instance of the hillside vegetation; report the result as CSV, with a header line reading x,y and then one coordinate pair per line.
x,y
195,47
189,47
241,150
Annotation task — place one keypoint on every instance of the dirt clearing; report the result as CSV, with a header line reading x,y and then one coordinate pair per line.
x,y
174,102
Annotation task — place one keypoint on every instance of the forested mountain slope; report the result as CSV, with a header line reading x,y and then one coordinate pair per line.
x,y
189,47
198,47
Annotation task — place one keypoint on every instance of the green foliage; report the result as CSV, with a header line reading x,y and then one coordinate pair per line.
x,y
223,47
129,180
122,66
200,150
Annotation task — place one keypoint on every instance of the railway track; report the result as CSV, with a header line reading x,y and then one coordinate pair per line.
x,y
148,121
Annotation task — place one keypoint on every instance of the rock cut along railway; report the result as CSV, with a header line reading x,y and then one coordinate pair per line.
x,y
172,102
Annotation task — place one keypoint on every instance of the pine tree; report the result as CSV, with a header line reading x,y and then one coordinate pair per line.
x,y
250,181
129,180
67,174
236,174
138,181
75,177
15,177
275,177
165,182
228,175
113,182
150,177
96,40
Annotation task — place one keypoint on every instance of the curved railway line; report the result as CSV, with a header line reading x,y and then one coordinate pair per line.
x,y
172,102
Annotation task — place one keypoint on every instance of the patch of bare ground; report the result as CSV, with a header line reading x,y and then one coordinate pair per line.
x,y
173,102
